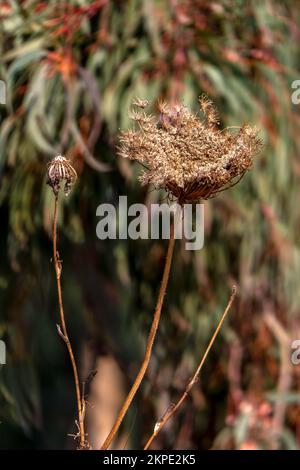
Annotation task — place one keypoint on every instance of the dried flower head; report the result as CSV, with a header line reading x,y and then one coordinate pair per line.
x,y
192,159
60,170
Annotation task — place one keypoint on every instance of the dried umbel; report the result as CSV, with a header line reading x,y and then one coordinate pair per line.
x,y
60,170
192,159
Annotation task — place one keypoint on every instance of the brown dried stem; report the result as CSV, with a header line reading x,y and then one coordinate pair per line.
x,y
150,341
62,330
172,409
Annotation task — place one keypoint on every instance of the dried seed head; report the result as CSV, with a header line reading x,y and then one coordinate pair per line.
x,y
60,170
191,158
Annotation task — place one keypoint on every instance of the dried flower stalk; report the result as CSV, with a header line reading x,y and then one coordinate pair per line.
x,y
60,171
192,160
174,407
150,341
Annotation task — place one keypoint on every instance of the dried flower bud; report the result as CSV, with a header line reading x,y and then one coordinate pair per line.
x,y
192,159
60,170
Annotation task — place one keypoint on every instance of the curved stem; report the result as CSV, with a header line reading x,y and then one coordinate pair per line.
x,y
172,409
150,341
63,331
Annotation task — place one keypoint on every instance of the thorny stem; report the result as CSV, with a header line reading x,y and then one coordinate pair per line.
x,y
172,409
64,334
150,340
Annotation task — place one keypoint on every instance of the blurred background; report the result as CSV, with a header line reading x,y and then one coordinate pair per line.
x,y
71,71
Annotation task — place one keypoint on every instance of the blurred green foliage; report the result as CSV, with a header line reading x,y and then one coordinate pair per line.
x,y
71,70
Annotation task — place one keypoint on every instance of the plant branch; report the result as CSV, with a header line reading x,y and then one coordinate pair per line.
x,y
150,340
62,331
174,407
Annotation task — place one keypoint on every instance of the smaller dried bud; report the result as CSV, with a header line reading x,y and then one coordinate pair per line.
x,y
60,170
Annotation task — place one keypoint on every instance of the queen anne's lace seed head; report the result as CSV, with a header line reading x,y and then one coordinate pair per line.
x,y
60,170
192,159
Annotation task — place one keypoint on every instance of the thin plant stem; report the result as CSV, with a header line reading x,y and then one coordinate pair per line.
x,y
150,340
173,408
62,330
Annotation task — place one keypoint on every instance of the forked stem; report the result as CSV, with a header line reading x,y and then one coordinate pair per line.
x,y
150,340
62,330
172,409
